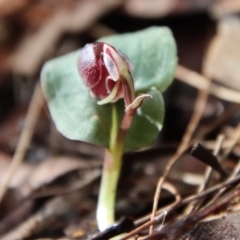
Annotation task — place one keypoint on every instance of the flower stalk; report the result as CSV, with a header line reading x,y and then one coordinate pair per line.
x,y
111,170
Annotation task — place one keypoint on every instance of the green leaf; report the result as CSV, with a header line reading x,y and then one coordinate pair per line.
x,y
78,117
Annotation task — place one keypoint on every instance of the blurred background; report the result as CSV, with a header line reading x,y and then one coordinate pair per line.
x,y
54,181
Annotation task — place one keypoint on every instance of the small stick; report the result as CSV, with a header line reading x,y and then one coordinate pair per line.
x,y
187,200
237,167
196,116
174,230
205,156
207,175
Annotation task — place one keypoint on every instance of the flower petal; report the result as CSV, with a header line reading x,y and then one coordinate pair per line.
x,y
89,66
111,67
126,60
112,96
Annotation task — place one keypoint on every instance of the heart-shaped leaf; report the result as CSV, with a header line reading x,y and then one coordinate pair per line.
x,y
78,117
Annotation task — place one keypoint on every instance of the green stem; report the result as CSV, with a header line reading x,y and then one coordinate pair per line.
x,y
111,170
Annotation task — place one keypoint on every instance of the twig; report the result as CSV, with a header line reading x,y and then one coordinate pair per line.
x,y
212,144
204,155
196,116
174,230
187,200
207,175
208,171
25,137
235,140
171,188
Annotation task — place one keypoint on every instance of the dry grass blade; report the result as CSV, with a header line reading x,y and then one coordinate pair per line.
x,y
198,81
25,138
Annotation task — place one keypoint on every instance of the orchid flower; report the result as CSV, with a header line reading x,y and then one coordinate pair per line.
x,y
106,72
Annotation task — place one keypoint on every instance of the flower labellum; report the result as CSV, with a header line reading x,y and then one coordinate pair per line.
x,y
106,72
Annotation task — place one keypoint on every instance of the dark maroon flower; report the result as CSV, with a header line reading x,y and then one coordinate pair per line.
x,y
106,73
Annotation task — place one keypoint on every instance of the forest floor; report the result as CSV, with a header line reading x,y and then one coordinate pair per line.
x,y
49,184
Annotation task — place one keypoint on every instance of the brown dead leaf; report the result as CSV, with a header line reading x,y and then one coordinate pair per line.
x,y
223,57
